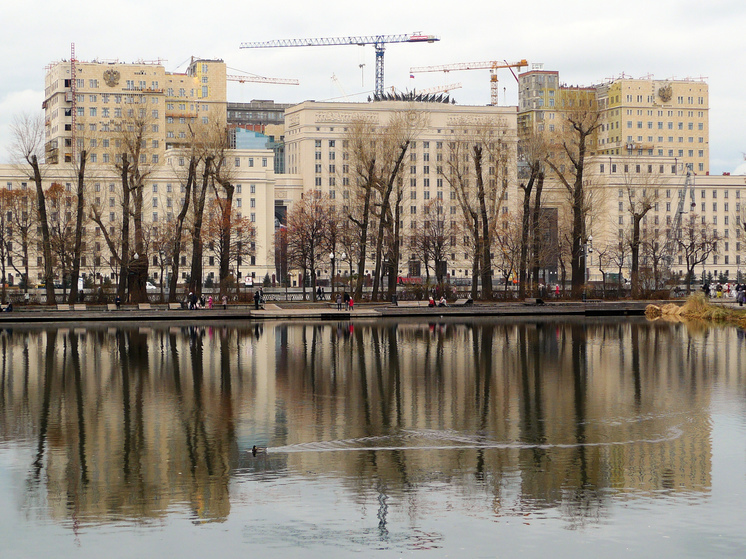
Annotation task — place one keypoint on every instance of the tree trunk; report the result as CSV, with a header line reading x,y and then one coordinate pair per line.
x,y
363,225
47,246
195,283
486,239
475,261
125,257
525,223
225,233
176,254
78,231
537,228
635,249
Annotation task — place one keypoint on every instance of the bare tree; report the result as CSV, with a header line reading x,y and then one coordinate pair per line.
x,y
21,209
433,238
79,217
28,146
568,161
532,152
307,224
640,184
477,171
697,242
227,248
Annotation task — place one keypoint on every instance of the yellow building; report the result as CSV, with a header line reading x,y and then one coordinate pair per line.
x,y
662,118
87,110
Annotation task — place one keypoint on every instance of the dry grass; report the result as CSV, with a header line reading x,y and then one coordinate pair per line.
x,y
696,306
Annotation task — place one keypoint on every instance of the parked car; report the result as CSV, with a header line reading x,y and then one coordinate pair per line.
x,y
150,287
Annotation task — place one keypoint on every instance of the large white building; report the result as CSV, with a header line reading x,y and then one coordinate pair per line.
x,y
87,104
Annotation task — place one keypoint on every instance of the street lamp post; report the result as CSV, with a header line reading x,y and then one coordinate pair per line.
x,y
331,257
587,249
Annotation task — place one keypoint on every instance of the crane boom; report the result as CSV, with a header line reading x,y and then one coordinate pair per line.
x,y
261,79
378,41
440,88
492,66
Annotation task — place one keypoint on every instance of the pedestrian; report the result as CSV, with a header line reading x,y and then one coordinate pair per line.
x,y
556,290
339,301
347,301
706,289
318,293
118,301
719,290
209,302
225,302
352,304
256,299
431,302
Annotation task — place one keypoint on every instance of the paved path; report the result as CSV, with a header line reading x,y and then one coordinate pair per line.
x,y
317,311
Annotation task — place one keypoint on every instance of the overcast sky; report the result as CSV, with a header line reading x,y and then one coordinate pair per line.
x,y
587,41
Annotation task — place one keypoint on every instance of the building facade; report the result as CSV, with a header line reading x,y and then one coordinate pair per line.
x,y
663,118
87,110
317,138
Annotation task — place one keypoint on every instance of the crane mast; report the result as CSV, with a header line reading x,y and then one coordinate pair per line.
x,y
492,66
378,42
675,234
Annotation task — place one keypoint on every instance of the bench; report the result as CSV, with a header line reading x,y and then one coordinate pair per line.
x,y
412,304
144,306
464,303
174,306
111,307
63,307
534,301
79,307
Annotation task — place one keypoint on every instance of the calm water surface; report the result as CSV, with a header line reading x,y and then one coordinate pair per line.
x,y
480,439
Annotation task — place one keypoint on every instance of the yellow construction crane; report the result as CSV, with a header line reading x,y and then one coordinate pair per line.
x,y
492,66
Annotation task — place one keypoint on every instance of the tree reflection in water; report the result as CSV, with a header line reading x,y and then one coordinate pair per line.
x,y
532,415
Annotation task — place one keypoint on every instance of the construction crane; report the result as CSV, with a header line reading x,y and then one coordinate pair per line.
x,y
378,41
492,66
674,235
440,88
261,79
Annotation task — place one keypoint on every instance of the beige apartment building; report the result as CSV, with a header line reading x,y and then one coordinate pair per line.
x,y
86,110
317,152
252,175
651,133
617,184
645,116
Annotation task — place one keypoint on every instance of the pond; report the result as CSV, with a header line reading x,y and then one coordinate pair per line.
x,y
530,438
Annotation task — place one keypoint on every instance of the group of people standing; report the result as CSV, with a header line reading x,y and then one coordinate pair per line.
x,y
347,299
719,291
195,302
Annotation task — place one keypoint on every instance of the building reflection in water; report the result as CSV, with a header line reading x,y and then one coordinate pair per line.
x,y
517,417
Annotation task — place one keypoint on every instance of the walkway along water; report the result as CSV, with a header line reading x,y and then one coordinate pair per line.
x,y
318,311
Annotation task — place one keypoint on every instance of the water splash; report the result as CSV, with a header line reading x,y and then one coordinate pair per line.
x,y
452,440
